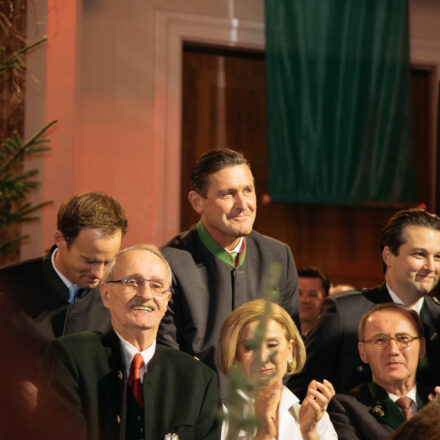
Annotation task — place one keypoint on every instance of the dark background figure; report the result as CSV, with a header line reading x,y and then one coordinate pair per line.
x,y
313,287
391,341
410,245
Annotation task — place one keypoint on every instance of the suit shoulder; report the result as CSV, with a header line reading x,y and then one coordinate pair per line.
x,y
181,243
354,296
265,240
22,267
184,361
346,299
432,301
82,341
359,393
181,240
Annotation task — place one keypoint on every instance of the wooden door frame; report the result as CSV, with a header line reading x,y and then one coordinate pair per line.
x,y
171,31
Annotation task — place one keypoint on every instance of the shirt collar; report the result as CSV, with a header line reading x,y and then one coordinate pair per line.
x,y
63,278
417,306
129,350
411,394
237,248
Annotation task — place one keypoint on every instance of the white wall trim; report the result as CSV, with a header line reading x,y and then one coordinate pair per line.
x,y
171,30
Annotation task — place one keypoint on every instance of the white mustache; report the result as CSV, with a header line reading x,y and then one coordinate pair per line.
x,y
144,305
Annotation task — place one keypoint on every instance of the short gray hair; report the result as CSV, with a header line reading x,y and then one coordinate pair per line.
x,y
109,270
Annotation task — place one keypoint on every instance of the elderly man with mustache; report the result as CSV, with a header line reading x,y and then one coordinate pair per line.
x,y
122,384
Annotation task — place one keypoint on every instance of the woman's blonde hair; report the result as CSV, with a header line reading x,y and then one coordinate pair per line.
x,y
249,312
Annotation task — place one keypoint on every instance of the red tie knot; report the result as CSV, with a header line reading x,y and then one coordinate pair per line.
x,y
136,365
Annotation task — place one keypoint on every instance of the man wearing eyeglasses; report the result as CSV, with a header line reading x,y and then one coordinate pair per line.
x,y
122,384
391,342
410,247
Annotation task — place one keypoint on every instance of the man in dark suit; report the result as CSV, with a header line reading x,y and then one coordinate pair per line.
x,y
221,262
410,247
313,287
122,384
391,342
57,294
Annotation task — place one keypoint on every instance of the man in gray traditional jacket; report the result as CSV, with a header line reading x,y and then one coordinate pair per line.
x,y
221,263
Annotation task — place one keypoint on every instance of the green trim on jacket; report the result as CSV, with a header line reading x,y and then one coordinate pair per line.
x,y
217,250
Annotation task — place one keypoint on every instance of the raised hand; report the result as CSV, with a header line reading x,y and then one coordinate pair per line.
x,y
313,407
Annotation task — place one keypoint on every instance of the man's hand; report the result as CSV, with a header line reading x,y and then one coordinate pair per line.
x,y
435,394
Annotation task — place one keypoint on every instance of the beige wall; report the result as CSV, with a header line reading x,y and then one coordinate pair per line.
x,y
97,78
110,74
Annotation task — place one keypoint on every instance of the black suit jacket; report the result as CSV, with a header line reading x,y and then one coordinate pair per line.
x,y
366,412
38,309
84,385
332,345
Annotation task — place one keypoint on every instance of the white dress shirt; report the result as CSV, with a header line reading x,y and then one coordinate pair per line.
x,y
128,352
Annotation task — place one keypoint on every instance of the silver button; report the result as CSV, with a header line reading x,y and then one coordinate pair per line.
x,y
118,419
360,368
139,417
120,375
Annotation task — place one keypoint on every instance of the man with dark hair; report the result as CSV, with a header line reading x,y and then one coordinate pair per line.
x,y
391,342
410,248
121,383
221,262
55,295
313,287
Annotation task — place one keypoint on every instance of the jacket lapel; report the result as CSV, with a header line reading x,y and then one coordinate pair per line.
x,y
384,409
114,383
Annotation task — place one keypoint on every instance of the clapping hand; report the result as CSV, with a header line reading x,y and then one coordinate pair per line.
x,y
314,406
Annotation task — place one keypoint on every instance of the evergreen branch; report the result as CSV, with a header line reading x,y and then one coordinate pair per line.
x,y
21,149
10,246
15,59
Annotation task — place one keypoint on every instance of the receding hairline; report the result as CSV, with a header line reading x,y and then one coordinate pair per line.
x,y
140,247
403,312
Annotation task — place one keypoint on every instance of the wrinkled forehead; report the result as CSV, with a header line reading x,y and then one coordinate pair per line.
x,y
389,322
142,263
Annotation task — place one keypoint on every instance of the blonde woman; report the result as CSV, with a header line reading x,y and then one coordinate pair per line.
x,y
283,353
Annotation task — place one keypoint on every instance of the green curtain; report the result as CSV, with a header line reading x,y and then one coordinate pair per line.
x,y
339,102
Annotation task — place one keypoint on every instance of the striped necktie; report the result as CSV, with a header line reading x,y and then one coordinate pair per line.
x,y
405,404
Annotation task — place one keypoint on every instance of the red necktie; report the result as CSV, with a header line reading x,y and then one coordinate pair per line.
x,y
405,404
134,379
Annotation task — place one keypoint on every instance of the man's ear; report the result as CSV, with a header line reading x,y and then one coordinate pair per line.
x,y
362,352
105,293
196,201
387,255
60,241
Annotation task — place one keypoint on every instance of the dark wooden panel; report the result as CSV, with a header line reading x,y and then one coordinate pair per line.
x,y
224,103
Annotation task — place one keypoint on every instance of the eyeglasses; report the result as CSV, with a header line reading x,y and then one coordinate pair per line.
x,y
381,341
138,285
